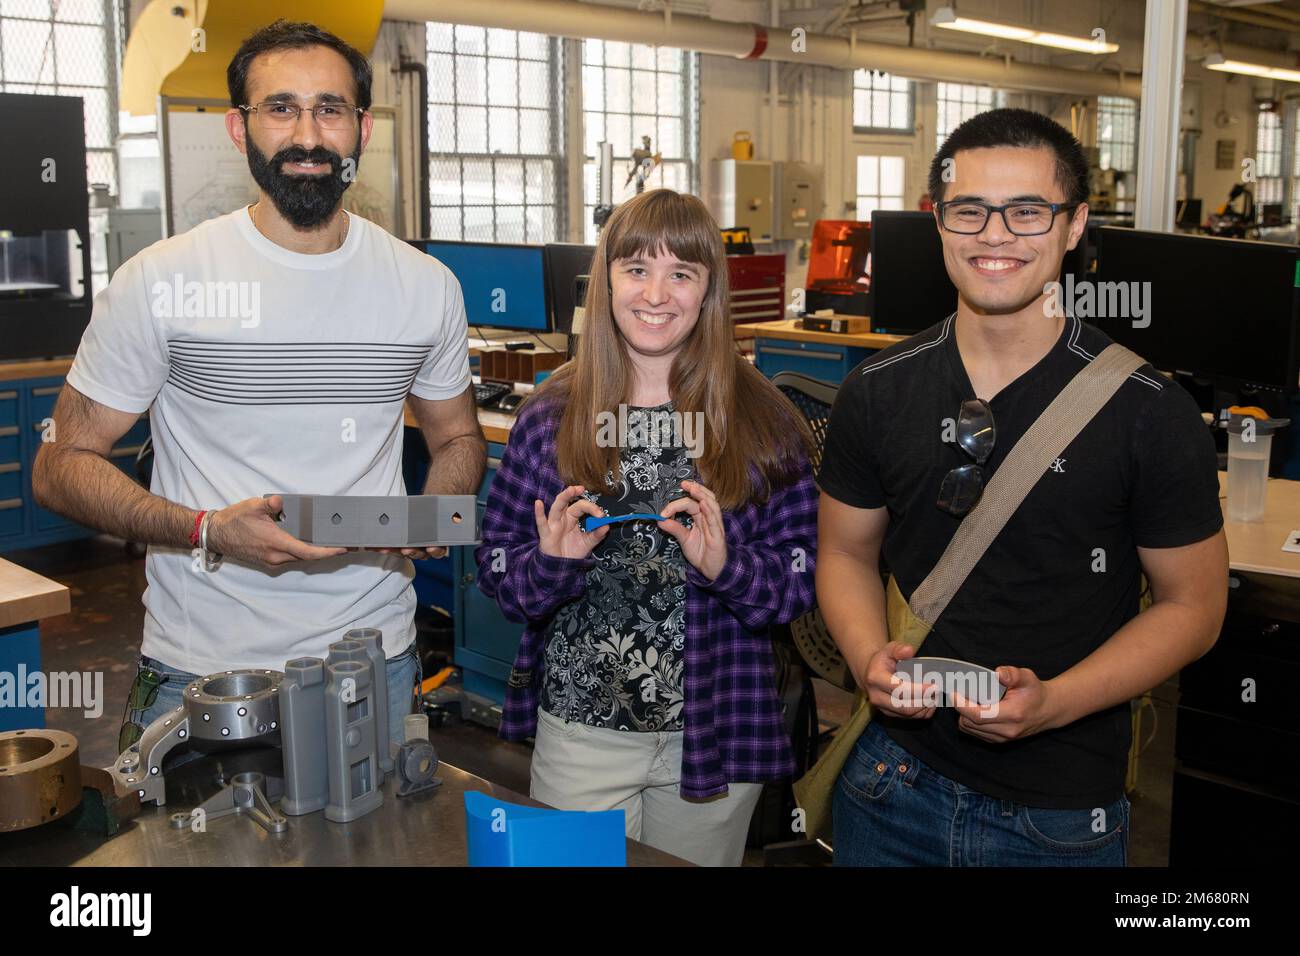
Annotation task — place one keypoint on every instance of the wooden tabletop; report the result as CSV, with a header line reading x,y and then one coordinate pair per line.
x,y
789,329
1257,545
26,596
496,425
42,368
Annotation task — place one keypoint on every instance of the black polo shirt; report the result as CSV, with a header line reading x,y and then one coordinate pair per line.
x,y
1063,575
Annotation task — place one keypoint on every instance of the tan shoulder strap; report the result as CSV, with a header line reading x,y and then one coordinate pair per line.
x,y
1058,425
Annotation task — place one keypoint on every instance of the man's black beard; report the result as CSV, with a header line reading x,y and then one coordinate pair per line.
x,y
305,200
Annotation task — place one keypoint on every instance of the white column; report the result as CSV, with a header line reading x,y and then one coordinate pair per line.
x,y
1158,117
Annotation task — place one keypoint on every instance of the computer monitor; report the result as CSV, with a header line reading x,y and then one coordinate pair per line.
x,y
504,285
1218,308
1187,214
567,267
910,288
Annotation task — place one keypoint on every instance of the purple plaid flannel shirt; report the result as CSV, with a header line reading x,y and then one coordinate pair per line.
x,y
732,724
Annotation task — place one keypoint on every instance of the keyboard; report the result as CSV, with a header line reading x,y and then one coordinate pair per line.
x,y
489,393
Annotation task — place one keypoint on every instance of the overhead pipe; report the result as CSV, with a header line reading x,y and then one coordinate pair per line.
x,y
1272,19
753,42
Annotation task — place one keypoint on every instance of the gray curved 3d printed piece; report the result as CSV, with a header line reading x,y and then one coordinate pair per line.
x,y
381,521
350,741
225,707
244,794
372,639
302,710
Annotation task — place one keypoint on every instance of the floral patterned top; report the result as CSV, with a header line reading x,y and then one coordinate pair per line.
x,y
614,656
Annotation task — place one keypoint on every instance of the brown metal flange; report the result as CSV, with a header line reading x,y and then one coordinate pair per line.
x,y
40,777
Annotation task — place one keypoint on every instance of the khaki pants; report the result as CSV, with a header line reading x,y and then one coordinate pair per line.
x,y
576,767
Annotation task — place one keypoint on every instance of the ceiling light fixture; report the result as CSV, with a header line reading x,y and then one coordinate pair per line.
x,y
1217,61
947,19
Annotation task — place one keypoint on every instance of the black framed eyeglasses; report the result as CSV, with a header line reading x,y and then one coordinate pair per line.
x,y
968,217
976,435
276,114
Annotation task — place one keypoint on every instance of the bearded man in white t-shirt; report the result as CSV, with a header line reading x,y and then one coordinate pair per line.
x,y
274,348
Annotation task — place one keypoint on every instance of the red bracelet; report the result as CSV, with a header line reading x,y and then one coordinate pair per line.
x,y
194,535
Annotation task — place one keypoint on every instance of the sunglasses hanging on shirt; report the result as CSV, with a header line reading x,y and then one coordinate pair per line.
x,y
976,435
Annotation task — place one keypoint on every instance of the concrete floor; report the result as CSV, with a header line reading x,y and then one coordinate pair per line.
x,y
102,634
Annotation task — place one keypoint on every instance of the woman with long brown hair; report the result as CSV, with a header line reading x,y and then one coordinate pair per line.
x,y
645,671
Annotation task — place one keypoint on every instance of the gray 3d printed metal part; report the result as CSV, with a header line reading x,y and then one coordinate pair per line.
x,y
372,639
346,649
250,794
302,712
226,707
350,741
381,521
417,762
973,682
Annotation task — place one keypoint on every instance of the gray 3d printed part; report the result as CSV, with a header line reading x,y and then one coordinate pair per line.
x,y
302,711
229,706
244,794
417,762
350,741
346,650
973,682
372,639
381,521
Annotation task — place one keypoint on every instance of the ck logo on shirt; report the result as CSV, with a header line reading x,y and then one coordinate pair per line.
x,y
1058,466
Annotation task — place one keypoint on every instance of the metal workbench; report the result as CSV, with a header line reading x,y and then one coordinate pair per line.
x,y
427,829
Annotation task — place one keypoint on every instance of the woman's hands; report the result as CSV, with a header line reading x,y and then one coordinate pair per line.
x,y
704,544
558,533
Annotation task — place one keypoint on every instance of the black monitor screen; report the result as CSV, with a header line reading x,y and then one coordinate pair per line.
x,y
1223,308
503,285
1187,213
910,288
565,263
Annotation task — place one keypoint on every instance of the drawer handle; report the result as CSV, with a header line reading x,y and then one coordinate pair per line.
x,y
8,504
4,395
763,291
8,430
9,466
46,390
124,450
823,356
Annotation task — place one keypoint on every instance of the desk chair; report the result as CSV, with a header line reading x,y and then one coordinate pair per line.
x,y
808,633
799,647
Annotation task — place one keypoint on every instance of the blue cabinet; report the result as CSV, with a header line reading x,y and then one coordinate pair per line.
x,y
486,641
827,363
26,407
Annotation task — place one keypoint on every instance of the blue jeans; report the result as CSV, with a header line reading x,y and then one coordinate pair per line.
x,y
893,810
404,673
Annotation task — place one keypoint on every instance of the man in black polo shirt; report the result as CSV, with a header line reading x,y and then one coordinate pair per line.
x,y
1053,603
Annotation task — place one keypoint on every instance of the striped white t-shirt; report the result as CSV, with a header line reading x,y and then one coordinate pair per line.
x,y
266,370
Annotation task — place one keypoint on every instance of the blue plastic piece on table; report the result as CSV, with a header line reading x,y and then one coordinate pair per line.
x,y
507,834
590,523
